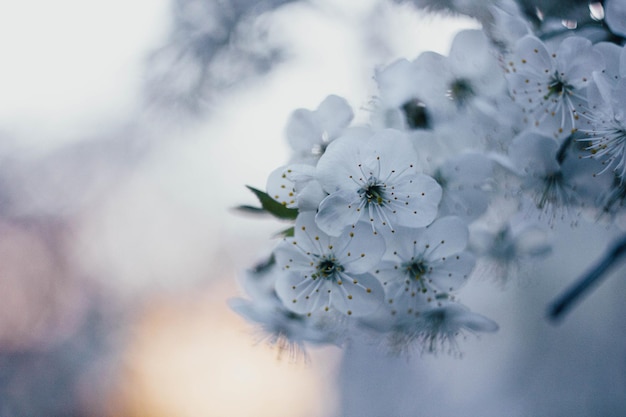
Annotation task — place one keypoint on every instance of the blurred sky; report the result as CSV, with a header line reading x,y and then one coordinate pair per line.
x,y
70,66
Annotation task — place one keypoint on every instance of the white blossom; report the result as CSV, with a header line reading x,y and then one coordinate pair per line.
x,y
376,180
310,132
325,273
549,85
605,126
420,264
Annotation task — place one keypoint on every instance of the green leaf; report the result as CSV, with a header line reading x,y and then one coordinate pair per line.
x,y
251,209
273,207
286,233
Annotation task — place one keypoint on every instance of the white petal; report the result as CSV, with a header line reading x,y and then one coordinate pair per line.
x,y
477,322
467,168
615,16
302,295
532,56
359,249
281,188
534,153
402,298
445,236
338,211
358,295
451,273
310,196
418,201
457,317
291,256
338,168
396,83
472,59
309,236
467,203
390,151
334,114
303,130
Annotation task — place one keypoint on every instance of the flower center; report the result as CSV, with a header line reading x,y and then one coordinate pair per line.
x,y
557,86
460,91
328,267
416,269
373,192
554,192
503,246
415,114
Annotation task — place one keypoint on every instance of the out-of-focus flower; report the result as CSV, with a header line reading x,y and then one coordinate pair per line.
x,y
615,16
438,327
557,177
399,103
469,79
506,25
465,183
506,249
310,132
434,89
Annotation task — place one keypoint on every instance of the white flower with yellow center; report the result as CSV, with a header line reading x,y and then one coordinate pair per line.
x,y
324,273
550,85
421,264
375,180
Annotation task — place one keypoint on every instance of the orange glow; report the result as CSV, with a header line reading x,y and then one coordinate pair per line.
x,y
197,358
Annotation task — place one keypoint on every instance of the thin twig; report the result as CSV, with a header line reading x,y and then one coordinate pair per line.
x,y
563,303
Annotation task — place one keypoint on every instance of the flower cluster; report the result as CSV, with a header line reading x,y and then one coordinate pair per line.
x,y
468,159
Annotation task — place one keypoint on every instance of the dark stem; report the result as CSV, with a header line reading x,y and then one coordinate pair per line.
x,y
562,151
566,301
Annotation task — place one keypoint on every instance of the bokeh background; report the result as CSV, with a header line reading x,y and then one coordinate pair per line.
x,y
128,130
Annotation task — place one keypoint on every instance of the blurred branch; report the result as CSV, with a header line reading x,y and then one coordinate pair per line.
x,y
213,43
586,283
